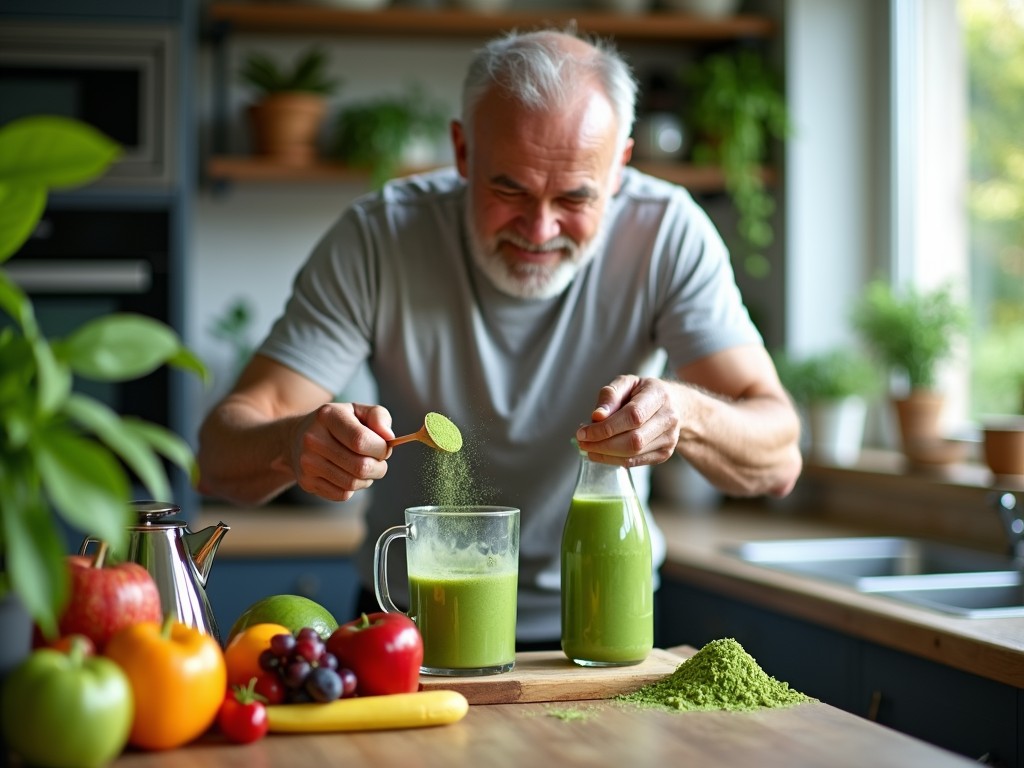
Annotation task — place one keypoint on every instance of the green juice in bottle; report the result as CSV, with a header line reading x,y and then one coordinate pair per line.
x,y
607,589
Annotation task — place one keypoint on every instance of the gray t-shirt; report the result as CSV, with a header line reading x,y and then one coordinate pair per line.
x,y
392,284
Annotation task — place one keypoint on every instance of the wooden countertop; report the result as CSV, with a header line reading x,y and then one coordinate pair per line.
x,y
607,733
697,543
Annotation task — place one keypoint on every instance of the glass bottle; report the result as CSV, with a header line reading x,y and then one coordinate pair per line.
x,y
607,588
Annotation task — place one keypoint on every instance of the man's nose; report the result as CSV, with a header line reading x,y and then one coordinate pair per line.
x,y
540,223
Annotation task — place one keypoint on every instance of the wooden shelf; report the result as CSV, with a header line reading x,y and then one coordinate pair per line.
x,y
280,18
296,18
227,168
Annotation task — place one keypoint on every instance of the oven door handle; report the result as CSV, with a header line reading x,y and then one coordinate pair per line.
x,y
133,276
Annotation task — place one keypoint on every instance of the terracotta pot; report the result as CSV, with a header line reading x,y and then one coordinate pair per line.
x,y
919,416
285,127
1003,445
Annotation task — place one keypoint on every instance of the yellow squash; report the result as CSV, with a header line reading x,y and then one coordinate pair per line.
x,y
370,713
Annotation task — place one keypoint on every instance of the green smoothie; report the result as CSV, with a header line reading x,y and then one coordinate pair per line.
x,y
607,596
468,621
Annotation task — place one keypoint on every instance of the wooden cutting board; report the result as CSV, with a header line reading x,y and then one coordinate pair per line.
x,y
550,676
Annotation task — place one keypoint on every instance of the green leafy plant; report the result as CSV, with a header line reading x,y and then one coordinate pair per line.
x,y
734,106
308,75
64,455
911,333
833,374
375,134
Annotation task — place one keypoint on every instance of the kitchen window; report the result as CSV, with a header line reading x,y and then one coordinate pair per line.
x,y
958,179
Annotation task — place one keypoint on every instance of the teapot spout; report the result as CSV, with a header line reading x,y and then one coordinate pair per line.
x,y
202,548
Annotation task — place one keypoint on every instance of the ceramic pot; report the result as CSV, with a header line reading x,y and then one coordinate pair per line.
x,y
285,127
837,430
918,416
1003,445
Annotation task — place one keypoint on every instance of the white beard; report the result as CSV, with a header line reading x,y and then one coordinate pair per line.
x,y
525,280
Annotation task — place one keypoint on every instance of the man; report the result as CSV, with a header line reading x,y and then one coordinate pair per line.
x,y
532,295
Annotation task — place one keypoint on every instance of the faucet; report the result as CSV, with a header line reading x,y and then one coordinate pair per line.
x,y
1010,513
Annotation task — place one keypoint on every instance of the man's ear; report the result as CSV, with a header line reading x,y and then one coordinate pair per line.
x,y
458,135
624,158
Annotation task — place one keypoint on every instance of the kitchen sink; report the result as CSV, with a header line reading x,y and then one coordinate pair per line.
x,y
993,595
956,580
861,561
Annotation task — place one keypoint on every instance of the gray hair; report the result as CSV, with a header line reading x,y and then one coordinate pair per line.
x,y
538,72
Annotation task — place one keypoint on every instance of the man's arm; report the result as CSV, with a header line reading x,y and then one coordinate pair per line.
x,y
277,428
728,415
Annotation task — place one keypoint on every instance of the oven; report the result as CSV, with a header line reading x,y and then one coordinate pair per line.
x,y
80,264
119,78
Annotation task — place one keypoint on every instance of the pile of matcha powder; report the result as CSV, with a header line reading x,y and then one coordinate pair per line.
x,y
721,675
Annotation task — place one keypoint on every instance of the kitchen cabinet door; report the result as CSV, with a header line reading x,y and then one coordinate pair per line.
x,y
965,713
816,661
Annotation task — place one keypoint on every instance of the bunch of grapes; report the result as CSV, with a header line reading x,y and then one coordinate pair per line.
x,y
306,670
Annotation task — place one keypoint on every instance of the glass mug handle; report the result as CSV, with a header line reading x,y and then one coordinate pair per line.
x,y
380,564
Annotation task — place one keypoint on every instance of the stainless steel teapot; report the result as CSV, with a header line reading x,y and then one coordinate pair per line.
x,y
179,560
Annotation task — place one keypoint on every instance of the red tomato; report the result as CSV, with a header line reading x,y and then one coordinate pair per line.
x,y
385,650
243,717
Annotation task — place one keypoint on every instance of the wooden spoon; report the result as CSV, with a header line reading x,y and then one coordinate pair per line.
x,y
438,431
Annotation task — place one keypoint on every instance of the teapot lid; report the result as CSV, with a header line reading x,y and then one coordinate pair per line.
x,y
152,511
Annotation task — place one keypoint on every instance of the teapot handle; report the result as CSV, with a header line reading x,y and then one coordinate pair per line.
x,y
84,549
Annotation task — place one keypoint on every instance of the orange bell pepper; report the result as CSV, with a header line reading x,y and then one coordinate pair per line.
x,y
178,677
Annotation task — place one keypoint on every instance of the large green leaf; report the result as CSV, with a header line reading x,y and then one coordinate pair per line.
x,y
53,152
123,440
119,347
21,205
53,378
86,484
186,360
164,442
33,549
15,303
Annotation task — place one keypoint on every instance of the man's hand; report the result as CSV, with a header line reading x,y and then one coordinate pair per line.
x,y
340,448
636,421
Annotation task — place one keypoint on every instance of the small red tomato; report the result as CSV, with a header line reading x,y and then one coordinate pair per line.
x,y
269,686
243,717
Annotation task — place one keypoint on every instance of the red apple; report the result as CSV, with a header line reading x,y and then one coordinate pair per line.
x,y
105,598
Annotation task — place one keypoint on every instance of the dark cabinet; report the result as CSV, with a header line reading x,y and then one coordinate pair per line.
x,y
237,583
965,713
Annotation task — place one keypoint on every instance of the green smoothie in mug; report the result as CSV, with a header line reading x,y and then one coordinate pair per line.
x,y
467,620
463,569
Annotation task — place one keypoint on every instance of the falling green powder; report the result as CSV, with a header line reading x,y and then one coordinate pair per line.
x,y
443,432
449,478
721,675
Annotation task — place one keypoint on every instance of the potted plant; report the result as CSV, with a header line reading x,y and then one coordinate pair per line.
x,y
911,335
832,388
734,107
291,105
379,134
65,456
999,387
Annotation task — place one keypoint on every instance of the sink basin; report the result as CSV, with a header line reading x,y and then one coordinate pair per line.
x,y
861,562
955,580
993,595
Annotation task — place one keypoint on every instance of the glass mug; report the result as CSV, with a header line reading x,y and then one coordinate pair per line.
x,y
463,566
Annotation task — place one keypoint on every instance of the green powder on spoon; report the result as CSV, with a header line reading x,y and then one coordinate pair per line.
x,y
443,432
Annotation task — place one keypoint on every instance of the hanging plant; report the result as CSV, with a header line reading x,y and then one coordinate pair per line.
x,y
735,107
